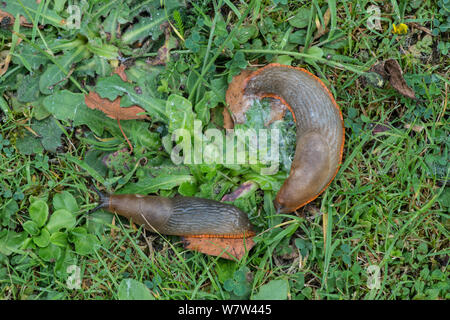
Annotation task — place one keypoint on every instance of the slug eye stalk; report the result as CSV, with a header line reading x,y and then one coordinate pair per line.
x,y
103,200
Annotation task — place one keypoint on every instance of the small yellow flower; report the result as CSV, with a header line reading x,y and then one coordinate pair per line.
x,y
400,29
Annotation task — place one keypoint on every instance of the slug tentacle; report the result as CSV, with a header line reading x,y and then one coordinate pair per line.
x,y
103,200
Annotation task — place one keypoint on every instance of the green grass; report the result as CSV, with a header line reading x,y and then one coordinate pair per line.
x,y
388,206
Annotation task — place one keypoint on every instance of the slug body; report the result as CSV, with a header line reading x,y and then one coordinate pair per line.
x,y
181,216
318,154
320,130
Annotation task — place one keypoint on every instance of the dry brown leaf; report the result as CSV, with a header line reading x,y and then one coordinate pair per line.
x,y
112,108
7,19
324,228
414,127
380,128
120,71
227,248
235,100
390,69
379,68
5,59
396,78
244,188
322,29
420,27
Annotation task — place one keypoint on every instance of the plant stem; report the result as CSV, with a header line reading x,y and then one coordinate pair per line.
x,y
299,55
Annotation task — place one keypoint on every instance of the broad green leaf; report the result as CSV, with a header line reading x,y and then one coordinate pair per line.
x,y
50,252
444,198
28,89
94,159
245,33
187,189
274,290
145,76
29,144
57,45
65,200
31,227
67,258
284,59
59,5
91,171
236,65
11,242
315,52
88,67
113,86
61,219
119,14
265,182
301,18
84,243
238,285
49,132
65,105
170,5
107,51
298,37
140,134
29,57
38,212
59,238
43,239
146,26
99,221
180,114
225,270
8,210
210,100
130,289
154,106
40,113
53,75
102,67
303,245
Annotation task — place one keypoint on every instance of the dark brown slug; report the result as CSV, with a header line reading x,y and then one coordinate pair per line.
x,y
180,216
318,154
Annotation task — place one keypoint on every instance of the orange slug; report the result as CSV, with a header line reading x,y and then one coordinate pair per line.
x,y
320,130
